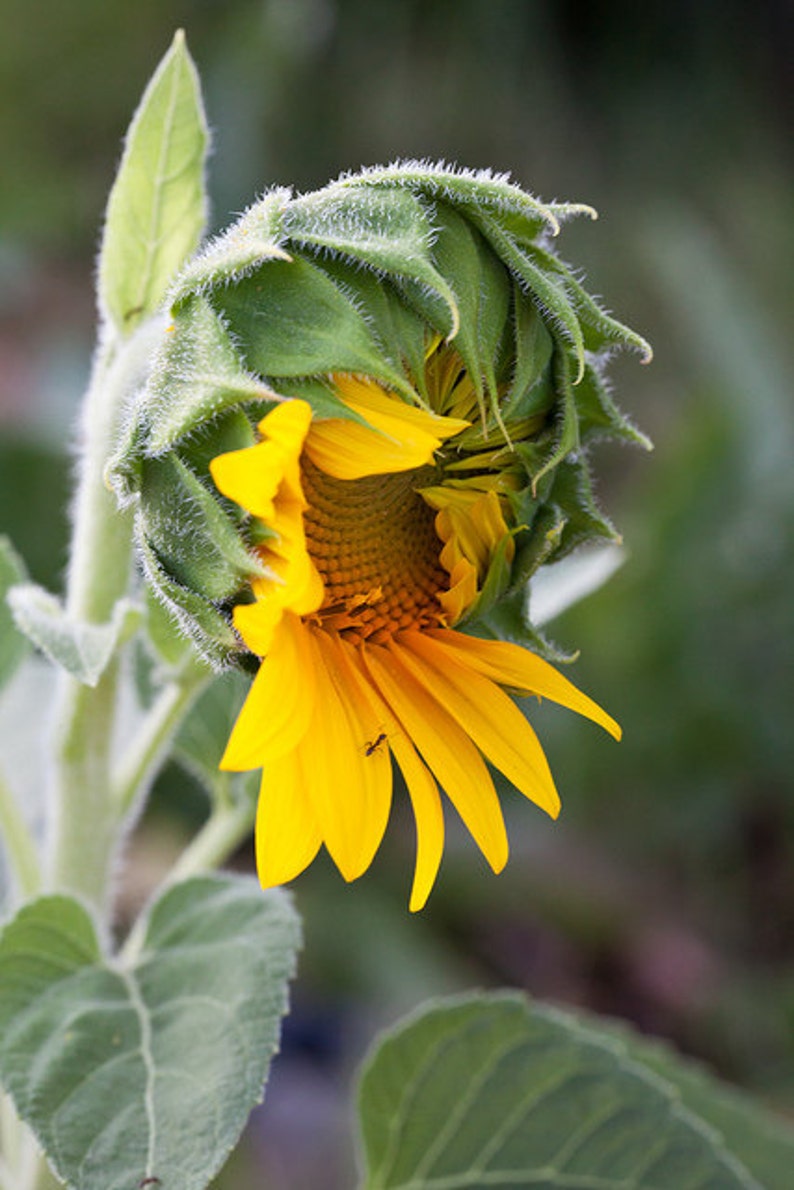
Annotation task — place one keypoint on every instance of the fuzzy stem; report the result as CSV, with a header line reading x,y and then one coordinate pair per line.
x,y
19,845
220,836
85,821
144,755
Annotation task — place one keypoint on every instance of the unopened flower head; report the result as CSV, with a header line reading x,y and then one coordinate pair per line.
x,y
366,430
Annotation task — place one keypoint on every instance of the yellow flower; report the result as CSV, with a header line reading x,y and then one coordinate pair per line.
x,y
376,533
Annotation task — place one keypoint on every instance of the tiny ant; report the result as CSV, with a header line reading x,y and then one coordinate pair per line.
x,y
149,1182
373,745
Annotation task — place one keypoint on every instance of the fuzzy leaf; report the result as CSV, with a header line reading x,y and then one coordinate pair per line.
x,y
197,375
13,644
400,332
194,538
289,319
148,1070
83,650
157,207
482,288
494,1090
197,617
247,243
386,230
467,189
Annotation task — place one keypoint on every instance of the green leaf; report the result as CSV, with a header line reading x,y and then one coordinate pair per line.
x,y
145,1070
83,650
13,645
496,1091
157,207
763,1142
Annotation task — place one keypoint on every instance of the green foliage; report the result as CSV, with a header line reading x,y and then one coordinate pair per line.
x,y
495,1090
12,643
157,207
83,650
145,1067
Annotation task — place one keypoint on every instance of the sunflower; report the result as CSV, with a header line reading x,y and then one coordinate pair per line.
x,y
376,534
366,429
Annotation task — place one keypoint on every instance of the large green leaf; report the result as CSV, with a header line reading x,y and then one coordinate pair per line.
x,y
149,1069
762,1141
495,1091
157,207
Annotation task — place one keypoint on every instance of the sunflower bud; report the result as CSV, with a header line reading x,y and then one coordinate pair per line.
x,y
365,431
413,284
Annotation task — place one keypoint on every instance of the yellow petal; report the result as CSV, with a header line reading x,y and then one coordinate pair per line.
x,y
251,477
522,670
256,622
398,436
485,713
422,789
349,782
287,835
277,712
429,817
367,397
447,750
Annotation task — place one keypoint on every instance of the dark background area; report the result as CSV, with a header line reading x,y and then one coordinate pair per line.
x,y
664,895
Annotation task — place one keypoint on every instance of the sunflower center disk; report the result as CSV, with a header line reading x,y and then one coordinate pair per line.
x,y
374,543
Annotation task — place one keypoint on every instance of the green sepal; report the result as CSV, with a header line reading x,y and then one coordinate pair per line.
x,y
290,319
598,414
483,293
572,493
382,229
207,626
548,292
471,190
400,332
254,238
599,328
197,375
195,539
509,619
530,392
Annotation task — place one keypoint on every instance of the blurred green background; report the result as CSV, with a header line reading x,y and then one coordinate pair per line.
x,y
665,893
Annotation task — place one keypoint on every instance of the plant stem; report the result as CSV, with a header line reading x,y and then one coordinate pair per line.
x,y
144,755
220,836
19,845
85,821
